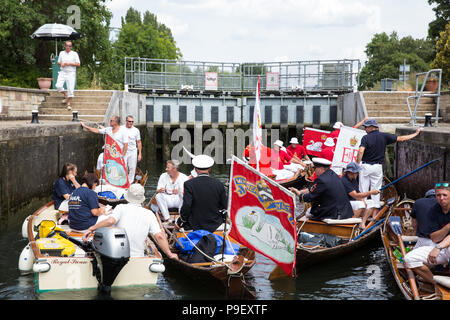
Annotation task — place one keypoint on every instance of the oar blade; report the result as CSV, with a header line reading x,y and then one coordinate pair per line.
x,y
395,224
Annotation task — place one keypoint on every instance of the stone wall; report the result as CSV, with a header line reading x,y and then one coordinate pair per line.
x,y
444,106
17,103
31,158
412,154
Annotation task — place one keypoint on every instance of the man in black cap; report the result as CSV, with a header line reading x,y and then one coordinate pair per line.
x,y
203,199
371,156
327,195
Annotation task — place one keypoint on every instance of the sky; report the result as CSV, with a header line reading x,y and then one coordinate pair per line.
x,y
280,30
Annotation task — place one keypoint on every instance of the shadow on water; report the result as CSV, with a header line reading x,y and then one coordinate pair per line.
x,y
361,275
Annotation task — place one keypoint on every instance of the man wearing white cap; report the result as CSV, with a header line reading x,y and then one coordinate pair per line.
x,y
204,197
283,166
137,221
371,155
297,151
338,125
169,192
327,194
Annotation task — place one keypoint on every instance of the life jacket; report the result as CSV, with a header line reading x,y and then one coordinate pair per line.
x,y
50,242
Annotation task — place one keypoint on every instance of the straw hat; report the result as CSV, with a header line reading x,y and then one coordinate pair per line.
x,y
135,194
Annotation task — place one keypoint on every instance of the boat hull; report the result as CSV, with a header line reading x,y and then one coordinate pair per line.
x,y
76,272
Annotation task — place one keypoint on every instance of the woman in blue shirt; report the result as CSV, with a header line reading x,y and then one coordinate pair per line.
x,y
65,185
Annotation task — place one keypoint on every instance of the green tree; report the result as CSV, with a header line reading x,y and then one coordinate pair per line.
x,y
23,59
442,11
442,60
387,52
145,38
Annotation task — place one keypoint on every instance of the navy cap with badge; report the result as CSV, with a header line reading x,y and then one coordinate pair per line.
x,y
353,167
321,162
370,123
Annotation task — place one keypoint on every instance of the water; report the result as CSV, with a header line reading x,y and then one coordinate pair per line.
x,y
361,275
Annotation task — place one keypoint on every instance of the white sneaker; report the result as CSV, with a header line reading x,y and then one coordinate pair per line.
x,y
69,108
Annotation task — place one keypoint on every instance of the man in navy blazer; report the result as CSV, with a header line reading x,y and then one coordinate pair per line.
x,y
203,198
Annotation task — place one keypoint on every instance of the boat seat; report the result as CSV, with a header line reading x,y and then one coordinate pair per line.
x,y
410,238
70,232
442,280
343,221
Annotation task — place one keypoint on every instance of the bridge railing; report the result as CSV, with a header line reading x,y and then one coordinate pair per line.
x,y
318,75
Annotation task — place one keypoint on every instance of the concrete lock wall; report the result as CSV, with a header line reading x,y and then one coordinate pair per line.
x,y
31,159
412,154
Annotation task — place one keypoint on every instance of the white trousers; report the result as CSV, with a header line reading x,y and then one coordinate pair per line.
x,y
294,167
417,257
282,174
371,178
131,163
69,78
166,201
358,204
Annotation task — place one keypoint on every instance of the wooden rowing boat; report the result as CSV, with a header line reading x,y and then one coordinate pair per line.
x,y
391,248
140,177
228,277
351,236
56,272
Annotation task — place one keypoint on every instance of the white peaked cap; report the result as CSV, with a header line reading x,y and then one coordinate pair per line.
x,y
202,161
321,161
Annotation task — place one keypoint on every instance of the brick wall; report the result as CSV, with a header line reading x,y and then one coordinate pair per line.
x,y
17,103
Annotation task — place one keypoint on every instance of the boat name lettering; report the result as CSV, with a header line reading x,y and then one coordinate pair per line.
x,y
68,261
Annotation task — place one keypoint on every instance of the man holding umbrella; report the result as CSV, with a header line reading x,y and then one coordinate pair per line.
x,y
68,61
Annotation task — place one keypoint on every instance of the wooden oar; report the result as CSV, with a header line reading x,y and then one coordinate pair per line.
x,y
394,222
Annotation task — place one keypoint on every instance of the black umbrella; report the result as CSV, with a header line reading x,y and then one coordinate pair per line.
x,y
55,31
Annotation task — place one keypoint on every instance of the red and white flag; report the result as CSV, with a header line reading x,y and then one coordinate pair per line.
x,y
257,125
262,215
313,140
114,169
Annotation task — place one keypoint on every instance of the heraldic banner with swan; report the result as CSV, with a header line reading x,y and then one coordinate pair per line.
x,y
114,171
262,215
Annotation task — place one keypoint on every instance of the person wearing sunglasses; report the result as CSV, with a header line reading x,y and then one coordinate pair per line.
x,y
421,259
134,150
68,61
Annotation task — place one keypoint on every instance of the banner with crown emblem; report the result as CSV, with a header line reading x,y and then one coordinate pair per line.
x,y
347,146
262,215
114,170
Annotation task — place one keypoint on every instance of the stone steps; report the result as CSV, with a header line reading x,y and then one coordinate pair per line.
x,y
391,106
69,117
82,99
83,93
90,104
64,111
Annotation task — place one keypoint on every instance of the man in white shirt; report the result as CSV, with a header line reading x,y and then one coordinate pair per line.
x,y
169,192
117,132
134,151
68,61
137,221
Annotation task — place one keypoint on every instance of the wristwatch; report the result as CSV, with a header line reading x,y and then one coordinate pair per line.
x,y
439,247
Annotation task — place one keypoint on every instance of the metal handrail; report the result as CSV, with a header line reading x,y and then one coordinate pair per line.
x,y
313,75
417,96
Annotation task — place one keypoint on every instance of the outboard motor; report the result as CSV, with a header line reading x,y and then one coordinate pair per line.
x,y
112,252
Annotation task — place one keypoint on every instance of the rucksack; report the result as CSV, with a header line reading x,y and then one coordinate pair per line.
x,y
207,244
